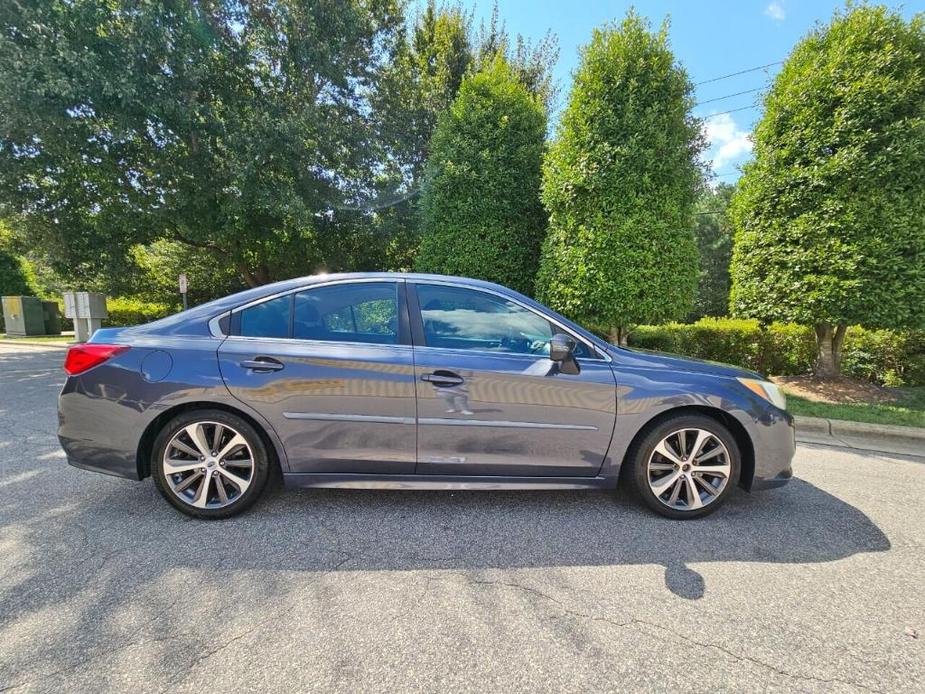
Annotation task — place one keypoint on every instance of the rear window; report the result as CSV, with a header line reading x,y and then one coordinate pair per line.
x,y
360,312
269,319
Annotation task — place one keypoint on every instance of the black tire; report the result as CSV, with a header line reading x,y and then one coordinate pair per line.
x,y
260,471
642,450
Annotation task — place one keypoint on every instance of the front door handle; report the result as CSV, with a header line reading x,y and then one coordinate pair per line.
x,y
262,364
443,378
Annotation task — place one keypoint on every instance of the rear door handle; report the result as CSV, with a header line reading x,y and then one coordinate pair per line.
x,y
443,378
262,364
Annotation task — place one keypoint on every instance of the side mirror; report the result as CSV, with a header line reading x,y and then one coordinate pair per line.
x,y
562,350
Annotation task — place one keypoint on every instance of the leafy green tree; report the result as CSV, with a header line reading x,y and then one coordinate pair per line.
x,y
16,279
422,80
233,128
158,267
532,62
481,211
713,231
830,215
620,184
421,83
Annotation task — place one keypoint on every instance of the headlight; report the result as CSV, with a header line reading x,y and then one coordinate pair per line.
x,y
767,390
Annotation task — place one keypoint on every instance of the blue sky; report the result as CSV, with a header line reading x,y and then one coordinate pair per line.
x,y
710,38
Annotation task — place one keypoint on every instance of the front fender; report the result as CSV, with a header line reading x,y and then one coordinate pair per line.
x,y
644,394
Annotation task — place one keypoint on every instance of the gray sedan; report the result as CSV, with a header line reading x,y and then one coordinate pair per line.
x,y
409,381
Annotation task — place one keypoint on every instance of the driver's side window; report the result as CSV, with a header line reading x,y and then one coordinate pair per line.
x,y
458,318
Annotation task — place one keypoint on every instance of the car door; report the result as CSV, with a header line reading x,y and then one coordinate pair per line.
x,y
330,366
490,401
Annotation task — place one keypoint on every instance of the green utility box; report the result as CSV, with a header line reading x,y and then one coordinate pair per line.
x,y
23,315
52,315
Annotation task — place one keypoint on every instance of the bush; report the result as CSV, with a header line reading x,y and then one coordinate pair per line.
x,y
885,356
786,349
481,211
124,312
620,182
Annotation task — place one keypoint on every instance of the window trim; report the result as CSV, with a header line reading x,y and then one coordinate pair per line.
x,y
417,324
404,331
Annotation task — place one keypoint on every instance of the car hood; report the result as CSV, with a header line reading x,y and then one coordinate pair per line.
x,y
643,358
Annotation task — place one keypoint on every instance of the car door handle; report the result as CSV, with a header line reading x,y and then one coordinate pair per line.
x,y
262,364
443,378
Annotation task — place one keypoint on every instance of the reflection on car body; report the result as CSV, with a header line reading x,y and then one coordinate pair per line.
x,y
410,381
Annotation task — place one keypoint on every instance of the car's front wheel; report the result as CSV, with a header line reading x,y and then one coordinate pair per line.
x,y
210,463
685,467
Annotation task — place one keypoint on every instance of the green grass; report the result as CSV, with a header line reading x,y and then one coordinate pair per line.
x,y
59,339
908,409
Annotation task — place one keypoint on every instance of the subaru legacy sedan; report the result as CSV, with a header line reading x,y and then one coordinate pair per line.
x,y
410,381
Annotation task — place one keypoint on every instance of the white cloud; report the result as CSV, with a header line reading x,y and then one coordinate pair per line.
x,y
727,142
776,11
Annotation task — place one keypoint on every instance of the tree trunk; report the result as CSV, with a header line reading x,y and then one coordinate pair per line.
x,y
619,335
263,274
829,341
247,276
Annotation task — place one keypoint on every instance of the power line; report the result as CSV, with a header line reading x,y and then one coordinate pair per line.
x,y
728,96
740,72
732,110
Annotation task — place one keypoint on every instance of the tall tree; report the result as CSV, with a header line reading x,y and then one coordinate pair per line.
x,y
713,231
15,277
421,82
620,183
231,127
830,215
481,212
533,62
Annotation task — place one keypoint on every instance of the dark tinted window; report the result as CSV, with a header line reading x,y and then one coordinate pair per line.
x,y
269,319
458,318
350,312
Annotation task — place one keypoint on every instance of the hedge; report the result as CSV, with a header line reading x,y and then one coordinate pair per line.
x,y
786,349
125,311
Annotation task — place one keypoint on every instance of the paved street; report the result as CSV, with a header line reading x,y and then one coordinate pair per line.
x,y
813,587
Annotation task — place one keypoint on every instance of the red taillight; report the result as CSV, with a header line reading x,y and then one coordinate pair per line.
x,y
82,357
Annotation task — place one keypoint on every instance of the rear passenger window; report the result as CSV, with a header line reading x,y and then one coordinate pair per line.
x,y
352,312
269,319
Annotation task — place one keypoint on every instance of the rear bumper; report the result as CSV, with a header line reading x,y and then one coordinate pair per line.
x,y
108,464
99,427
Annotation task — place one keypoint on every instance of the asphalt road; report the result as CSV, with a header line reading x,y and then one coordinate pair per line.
x,y
818,586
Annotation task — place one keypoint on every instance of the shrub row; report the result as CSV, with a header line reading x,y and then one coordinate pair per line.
x,y
126,311
786,349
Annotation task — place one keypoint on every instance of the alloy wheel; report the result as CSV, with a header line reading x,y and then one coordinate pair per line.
x,y
208,465
689,469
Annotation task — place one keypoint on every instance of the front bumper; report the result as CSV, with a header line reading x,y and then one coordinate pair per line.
x,y
779,480
774,441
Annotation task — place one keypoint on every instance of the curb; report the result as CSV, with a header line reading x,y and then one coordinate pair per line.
x,y
28,343
836,427
883,438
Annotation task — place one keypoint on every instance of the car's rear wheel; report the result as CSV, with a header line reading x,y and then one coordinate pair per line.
x,y
210,463
685,467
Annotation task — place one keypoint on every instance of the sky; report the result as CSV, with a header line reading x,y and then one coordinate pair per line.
x,y
710,38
